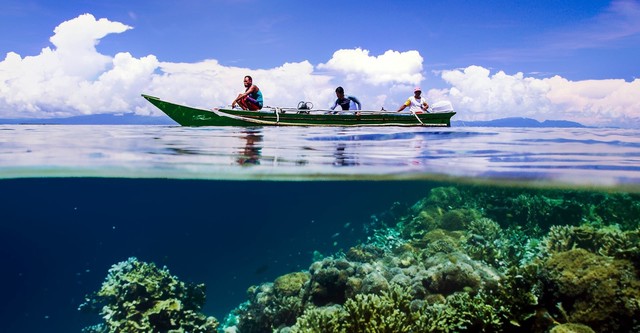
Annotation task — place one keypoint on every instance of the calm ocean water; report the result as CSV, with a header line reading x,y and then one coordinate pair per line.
x,y
234,207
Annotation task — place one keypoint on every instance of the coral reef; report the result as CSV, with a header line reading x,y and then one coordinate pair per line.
x,y
394,293
607,241
272,305
395,311
139,297
468,259
571,328
599,291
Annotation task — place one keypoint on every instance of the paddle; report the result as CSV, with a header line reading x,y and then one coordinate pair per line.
x,y
416,115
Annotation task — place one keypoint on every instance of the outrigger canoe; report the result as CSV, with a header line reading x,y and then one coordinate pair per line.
x,y
192,116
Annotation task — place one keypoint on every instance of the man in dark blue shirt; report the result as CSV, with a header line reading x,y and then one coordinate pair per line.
x,y
346,102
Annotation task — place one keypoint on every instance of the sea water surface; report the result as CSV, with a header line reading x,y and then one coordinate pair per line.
x,y
234,207
579,156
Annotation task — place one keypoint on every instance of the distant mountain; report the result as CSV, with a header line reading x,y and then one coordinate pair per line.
x,y
96,119
517,122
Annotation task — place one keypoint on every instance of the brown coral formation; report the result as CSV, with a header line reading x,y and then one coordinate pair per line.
x,y
599,291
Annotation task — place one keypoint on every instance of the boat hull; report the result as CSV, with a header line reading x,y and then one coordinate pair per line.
x,y
190,116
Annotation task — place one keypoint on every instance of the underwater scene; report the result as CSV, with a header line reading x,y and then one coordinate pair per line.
x,y
320,232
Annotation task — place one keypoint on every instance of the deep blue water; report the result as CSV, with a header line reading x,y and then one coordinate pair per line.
x,y
235,207
59,236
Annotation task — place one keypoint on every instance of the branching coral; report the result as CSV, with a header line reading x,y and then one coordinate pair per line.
x,y
395,311
322,319
388,312
606,241
460,313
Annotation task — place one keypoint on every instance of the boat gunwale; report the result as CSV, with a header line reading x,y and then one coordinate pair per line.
x,y
364,119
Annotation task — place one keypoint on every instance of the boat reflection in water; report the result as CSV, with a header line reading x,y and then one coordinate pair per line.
x,y
252,151
342,158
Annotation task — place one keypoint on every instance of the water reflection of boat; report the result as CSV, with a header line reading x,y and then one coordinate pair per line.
x,y
343,159
252,150
190,116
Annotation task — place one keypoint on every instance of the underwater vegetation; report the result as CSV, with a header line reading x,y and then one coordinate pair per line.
x,y
139,297
462,259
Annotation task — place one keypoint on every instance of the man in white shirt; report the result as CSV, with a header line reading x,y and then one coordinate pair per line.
x,y
416,103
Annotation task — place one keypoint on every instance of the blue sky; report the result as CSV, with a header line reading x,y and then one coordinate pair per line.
x,y
574,60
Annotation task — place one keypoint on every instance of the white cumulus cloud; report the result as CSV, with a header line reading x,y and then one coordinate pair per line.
x,y
479,95
72,78
66,79
390,67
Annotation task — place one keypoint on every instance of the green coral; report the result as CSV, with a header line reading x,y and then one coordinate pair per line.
x,y
395,311
571,328
440,240
458,219
444,197
440,209
483,234
461,313
545,208
290,284
599,291
388,312
517,297
267,309
139,297
322,319
606,241
364,253
424,221
615,208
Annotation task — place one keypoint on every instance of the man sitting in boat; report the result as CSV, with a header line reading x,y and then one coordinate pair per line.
x,y
416,103
346,103
251,99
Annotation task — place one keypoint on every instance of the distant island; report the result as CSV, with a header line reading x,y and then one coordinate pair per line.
x,y
95,119
133,119
516,122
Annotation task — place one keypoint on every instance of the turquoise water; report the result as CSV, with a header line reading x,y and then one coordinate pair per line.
x,y
236,207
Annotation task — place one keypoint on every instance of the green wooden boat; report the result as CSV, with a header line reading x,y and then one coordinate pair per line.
x,y
191,116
